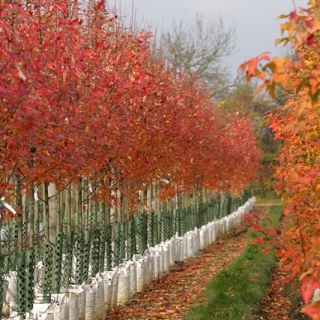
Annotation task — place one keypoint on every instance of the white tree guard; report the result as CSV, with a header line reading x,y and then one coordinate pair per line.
x,y
181,249
173,250
156,268
107,283
123,285
41,310
166,258
190,245
90,303
99,303
115,281
64,307
149,265
202,238
11,294
133,278
73,306
141,276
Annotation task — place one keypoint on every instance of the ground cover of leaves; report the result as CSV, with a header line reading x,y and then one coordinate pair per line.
x,y
282,300
172,296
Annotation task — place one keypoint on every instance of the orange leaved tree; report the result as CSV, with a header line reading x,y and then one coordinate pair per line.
x,y
297,124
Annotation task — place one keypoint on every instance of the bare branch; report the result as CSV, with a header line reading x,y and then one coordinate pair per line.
x,y
200,50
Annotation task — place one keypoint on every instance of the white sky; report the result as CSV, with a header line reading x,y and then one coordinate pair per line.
x,y
256,21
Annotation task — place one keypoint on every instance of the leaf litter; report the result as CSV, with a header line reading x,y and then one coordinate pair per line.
x,y
172,295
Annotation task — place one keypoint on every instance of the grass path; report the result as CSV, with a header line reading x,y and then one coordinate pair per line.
x,y
233,292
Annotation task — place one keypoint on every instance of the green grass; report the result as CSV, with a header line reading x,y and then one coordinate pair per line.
x,y
274,200
233,291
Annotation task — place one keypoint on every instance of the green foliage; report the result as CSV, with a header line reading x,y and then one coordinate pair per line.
x,y
233,291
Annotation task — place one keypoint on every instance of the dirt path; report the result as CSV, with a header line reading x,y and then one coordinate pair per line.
x,y
172,296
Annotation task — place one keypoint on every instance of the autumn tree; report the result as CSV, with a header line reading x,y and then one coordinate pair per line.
x,y
200,50
106,111
244,99
296,123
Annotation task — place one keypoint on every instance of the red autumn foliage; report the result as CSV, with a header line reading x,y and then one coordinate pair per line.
x,y
83,96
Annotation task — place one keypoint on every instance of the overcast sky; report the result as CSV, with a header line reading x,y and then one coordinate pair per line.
x,y
256,21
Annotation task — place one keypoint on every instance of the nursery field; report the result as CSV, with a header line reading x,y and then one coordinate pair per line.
x,y
181,294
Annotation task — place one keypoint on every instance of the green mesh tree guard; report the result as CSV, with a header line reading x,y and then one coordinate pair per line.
x,y
90,221
160,226
21,282
122,252
144,226
131,241
202,214
166,225
29,265
102,240
206,213
64,233
183,228
6,262
245,196
210,212
95,252
47,262
109,260
153,229
79,245
196,216
24,231
56,283
102,249
139,232
13,246
229,205
116,253
86,257
37,257
176,221
221,209
68,257
163,226
172,229
188,218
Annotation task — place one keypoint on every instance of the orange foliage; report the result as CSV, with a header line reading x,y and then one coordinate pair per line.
x,y
298,125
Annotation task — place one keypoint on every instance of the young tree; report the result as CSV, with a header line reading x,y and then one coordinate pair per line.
x,y
297,125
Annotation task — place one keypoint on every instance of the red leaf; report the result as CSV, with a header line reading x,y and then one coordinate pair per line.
x,y
10,145
100,5
22,11
312,310
73,22
272,231
293,15
5,29
311,39
62,7
307,290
